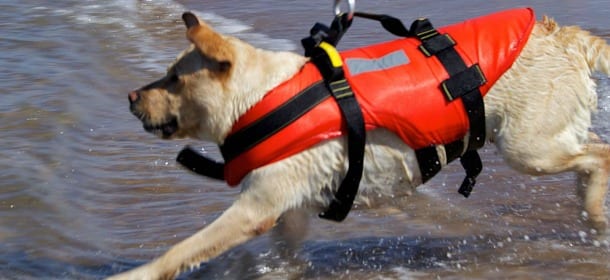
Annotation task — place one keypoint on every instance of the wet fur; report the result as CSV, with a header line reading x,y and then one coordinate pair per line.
x,y
218,78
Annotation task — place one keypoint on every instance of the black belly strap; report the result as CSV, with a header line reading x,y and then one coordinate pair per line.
x,y
464,83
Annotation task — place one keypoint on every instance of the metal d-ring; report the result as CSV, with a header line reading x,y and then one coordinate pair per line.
x,y
351,4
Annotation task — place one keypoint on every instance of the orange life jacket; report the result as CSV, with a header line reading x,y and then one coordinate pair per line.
x,y
397,87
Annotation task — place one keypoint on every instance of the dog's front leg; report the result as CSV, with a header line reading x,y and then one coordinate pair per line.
x,y
253,214
289,232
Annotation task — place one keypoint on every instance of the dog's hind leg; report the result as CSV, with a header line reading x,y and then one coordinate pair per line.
x,y
581,180
591,164
539,111
593,171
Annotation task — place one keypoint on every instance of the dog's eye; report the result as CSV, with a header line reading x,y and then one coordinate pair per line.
x,y
173,78
224,66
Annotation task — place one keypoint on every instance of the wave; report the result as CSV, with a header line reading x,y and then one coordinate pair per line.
x,y
144,33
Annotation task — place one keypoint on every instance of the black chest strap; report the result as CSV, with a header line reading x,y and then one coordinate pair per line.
x,y
320,47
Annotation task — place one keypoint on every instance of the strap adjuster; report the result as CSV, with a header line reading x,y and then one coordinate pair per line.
x,y
436,43
341,89
463,82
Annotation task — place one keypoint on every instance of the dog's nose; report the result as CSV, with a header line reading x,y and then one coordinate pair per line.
x,y
133,96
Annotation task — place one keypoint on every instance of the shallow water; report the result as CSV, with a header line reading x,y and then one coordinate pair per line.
x,y
85,192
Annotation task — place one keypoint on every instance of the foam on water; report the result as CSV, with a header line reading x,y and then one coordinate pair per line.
x,y
126,24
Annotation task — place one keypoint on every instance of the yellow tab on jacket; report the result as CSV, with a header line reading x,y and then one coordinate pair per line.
x,y
333,54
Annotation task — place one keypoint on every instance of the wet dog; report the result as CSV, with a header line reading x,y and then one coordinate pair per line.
x,y
218,78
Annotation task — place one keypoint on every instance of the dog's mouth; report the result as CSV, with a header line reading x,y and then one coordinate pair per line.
x,y
164,130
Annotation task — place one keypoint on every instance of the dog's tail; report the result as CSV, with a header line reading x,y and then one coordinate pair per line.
x,y
595,50
597,53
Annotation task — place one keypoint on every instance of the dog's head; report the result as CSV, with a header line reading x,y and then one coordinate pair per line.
x,y
179,104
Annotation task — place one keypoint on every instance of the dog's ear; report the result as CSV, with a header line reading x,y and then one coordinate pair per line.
x,y
190,19
209,43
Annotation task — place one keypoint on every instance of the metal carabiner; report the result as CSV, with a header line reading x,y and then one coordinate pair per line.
x,y
351,4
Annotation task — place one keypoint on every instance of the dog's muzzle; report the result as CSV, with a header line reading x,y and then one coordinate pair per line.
x,y
165,129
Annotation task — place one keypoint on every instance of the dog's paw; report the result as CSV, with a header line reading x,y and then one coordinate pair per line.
x,y
600,224
145,272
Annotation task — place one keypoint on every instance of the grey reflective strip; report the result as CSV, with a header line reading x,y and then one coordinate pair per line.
x,y
361,65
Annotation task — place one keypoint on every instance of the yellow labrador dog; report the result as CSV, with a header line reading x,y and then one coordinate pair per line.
x,y
218,78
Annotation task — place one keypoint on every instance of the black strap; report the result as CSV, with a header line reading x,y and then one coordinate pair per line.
x,y
428,161
258,131
322,33
334,78
389,23
356,140
200,164
471,161
463,82
429,164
